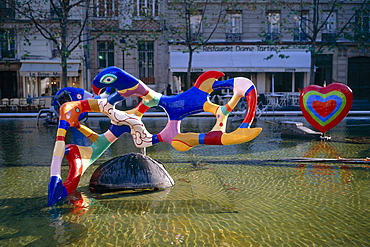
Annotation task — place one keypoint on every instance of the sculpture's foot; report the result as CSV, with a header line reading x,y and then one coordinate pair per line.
x,y
57,191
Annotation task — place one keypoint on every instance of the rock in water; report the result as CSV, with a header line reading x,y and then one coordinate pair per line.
x,y
131,171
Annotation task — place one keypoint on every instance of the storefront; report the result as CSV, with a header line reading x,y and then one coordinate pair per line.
x,y
42,77
270,68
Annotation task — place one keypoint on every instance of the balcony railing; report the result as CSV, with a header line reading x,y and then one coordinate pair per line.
x,y
196,36
148,80
328,37
300,37
232,37
275,37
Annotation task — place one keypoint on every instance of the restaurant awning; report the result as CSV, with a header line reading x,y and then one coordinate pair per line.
x,y
242,61
47,69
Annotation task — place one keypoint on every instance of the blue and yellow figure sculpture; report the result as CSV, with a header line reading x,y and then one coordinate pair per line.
x,y
177,107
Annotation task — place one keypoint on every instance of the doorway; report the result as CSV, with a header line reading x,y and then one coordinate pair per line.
x,y
8,84
359,78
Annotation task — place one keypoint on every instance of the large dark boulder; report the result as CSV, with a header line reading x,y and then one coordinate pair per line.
x,y
131,171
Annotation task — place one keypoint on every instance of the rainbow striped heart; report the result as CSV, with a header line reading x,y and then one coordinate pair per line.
x,y
325,107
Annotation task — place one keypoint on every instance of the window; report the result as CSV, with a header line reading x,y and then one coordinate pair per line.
x,y
329,20
54,49
272,25
105,54
287,81
196,23
6,12
146,62
7,44
55,13
362,29
300,26
145,8
105,8
55,10
233,26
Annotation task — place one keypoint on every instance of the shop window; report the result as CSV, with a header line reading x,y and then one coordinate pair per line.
x,y
54,83
45,86
233,26
298,81
7,44
105,54
362,25
300,26
105,8
329,20
283,82
146,8
272,26
146,62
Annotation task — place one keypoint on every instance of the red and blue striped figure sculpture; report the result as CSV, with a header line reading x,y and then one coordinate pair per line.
x,y
177,107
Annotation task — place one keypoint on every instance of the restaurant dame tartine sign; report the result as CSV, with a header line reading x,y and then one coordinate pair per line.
x,y
237,48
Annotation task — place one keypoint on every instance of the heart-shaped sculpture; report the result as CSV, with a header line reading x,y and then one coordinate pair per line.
x,y
325,107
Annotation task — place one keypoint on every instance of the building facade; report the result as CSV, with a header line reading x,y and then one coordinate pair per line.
x,y
271,42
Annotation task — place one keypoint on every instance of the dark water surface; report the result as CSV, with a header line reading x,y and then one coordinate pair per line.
x,y
223,195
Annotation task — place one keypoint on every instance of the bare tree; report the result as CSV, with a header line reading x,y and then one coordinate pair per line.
x,y
192,19
307,21
63,22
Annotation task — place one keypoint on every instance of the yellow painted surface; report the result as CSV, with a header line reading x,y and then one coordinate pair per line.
x,y
185,141
94,105
61,132
59,148
240,135
206,86
93,136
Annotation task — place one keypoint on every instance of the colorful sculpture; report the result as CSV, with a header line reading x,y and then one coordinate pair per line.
x,y
69,94
325,107
177,107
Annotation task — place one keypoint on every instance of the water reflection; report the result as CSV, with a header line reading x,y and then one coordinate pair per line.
x,y
59,224
322,149
12,142
319,174
66,220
